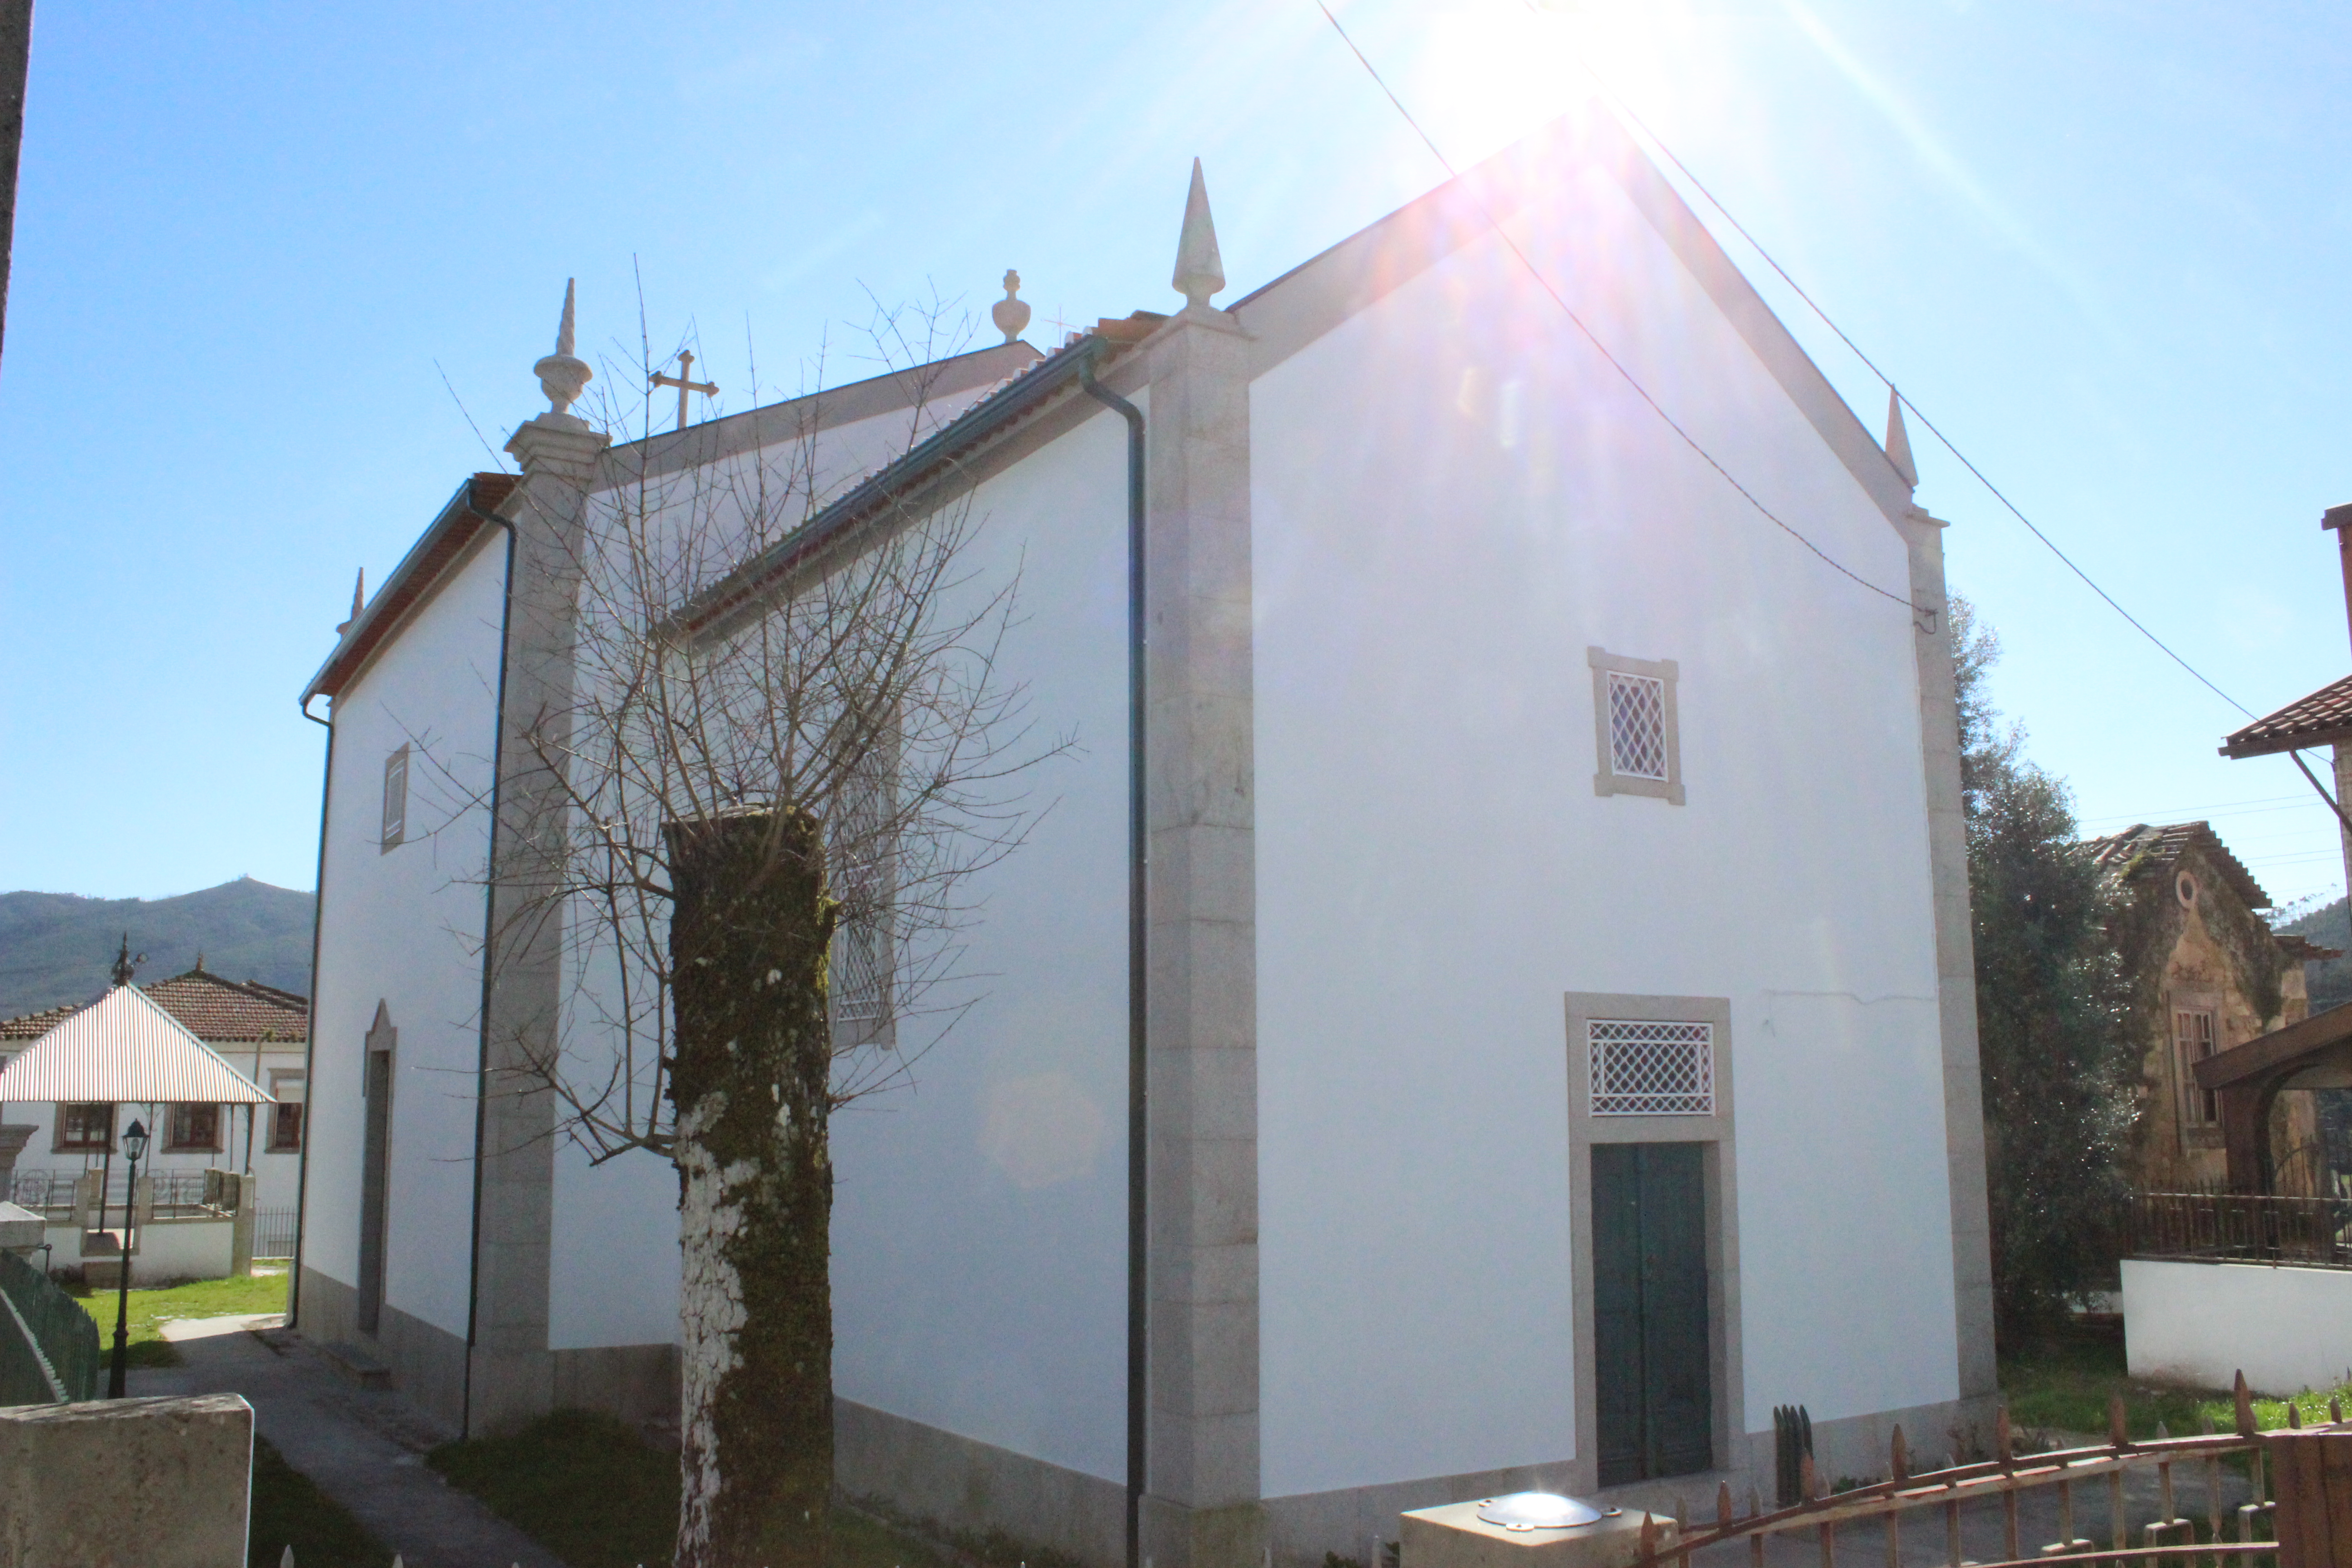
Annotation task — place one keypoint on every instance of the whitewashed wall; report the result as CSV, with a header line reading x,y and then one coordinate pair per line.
x,y
2201,1324
405,928
277,1173
916,1163
980,1214
1454,497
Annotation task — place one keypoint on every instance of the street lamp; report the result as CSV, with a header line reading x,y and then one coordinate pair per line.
x,y
135,1144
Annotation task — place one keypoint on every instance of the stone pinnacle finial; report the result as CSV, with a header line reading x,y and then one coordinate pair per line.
x,y
1898,440
358,601
1200,270
561,375
1011,314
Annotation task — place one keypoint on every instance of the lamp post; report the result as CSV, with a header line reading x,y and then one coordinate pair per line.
x,y
135,1144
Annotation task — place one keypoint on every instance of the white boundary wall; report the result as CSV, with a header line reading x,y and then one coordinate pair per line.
x,y
2287,1329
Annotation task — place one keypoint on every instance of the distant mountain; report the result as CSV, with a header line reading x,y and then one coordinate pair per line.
x,y
57,947
2330,980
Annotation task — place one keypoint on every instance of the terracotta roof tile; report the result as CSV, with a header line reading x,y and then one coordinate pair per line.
x,y
215,1010
2142,847
2321,718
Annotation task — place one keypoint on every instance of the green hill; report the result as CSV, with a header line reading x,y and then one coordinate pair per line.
x,y
2331,980
58,947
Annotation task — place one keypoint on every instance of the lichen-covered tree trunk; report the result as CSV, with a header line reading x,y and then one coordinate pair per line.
x,y
748,928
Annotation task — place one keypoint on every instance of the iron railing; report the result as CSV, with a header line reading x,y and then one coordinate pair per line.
x,y
2221,1227
2001,1482
178,1193
274,1232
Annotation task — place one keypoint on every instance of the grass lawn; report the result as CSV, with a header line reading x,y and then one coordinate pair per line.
x,y
151,1309
2067,1383
587,1488
288,1510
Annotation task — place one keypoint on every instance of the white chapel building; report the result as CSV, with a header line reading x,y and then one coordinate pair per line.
x,y
1561,1033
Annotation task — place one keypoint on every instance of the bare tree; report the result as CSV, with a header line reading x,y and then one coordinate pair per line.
x,y
788,745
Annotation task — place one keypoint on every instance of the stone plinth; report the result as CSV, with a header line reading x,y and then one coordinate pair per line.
x,y
13,1136
1454,1536
126,1483
20,1228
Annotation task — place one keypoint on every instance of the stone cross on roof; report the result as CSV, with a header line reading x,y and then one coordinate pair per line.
x,y
684,383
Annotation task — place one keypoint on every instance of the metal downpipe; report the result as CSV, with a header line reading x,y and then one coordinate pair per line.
x,y
1137,1121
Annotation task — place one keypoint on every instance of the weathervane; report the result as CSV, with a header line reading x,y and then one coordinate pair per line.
x,y
125,966
684,383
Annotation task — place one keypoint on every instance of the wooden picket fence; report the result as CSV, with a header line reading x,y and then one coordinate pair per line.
x,y
2006,1477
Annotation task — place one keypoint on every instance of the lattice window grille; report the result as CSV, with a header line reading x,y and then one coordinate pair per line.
x,y
1644,1068
1637,726
860,850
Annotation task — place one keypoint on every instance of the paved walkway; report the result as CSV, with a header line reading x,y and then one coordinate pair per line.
x,y
365,1448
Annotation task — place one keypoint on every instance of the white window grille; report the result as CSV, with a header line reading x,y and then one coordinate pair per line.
x,y
1645,1069
864,956
395,798
1637,726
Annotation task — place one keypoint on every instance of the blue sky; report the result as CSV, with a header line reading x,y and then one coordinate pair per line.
x,y
2102,244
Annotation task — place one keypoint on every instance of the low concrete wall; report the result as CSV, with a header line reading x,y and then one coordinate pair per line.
x,y
126,1483
2201,1323
160,1251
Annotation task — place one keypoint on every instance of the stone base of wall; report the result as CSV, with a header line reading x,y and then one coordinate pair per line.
x,y
428,1363
637,1383
172,1476
958,1483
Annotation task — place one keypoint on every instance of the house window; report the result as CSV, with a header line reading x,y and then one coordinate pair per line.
x,y
192,1128
2192,1037
88,1127
395,799
1647,1068
1634,727
862,844
286,1116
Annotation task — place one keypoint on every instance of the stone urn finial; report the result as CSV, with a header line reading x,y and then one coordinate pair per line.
x,y
561,376
1011,314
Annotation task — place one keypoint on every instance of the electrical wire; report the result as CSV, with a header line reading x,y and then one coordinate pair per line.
x,y
1933,428
1544,284
1699,185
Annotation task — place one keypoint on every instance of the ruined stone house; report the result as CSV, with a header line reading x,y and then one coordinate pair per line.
x,y
2208,973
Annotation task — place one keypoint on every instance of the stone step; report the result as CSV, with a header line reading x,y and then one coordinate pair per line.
x,y
360,1365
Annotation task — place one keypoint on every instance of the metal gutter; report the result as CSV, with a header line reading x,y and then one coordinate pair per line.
x,y
310,1015
880,489
1138,1055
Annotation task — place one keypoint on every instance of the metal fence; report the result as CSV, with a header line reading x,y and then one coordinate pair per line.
x,y
49,1345
275,1232
1945,1495
2316,1233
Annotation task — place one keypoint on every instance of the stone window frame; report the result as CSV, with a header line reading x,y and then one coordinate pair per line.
x,y
1727,1393
2195,1129
877,774
395,800
280,1082
1606,779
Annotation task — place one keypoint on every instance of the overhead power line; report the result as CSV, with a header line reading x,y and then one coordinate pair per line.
x,y
1593,338
1933,428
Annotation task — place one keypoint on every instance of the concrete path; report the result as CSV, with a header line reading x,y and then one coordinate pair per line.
x,y
365,1448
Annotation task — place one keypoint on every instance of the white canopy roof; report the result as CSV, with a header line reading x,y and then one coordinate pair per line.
x,y
124,1049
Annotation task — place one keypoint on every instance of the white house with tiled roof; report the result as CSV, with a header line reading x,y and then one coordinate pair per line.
x,y
1555,863
262,1031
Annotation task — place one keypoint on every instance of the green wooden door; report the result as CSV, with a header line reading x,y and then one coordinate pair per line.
x,y
1650,1340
